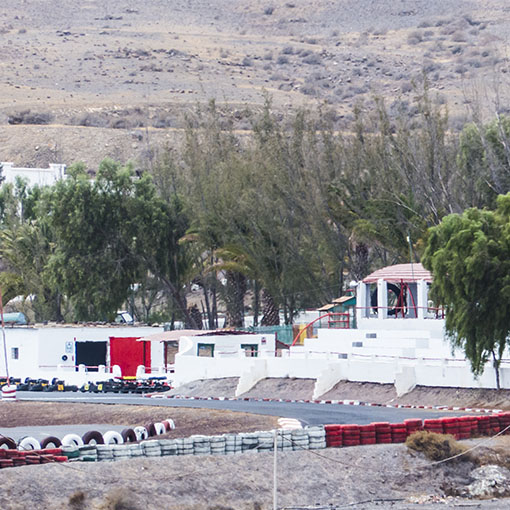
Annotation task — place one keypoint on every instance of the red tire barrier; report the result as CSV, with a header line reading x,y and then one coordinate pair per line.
x,y
398,432
367,434
382,432
413,425
504,422
484,425
451,426
334,435
433,425
351,435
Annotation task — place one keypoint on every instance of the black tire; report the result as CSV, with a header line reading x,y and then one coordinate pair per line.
x,y
7,441
151,429
128,435
397,291
93,435
51,440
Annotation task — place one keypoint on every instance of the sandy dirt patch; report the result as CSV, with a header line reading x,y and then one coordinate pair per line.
x,y
282,388
188,421
225,387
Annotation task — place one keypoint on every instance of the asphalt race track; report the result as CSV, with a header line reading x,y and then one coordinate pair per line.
x,y
307,413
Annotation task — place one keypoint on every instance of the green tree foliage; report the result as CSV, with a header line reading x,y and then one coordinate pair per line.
x,y
110,234
469,254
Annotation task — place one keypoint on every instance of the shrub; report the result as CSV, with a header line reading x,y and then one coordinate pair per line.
x,y
269,10
435,446
247,62
282,59
312,59
288,50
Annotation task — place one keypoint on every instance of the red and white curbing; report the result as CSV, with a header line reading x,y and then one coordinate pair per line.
x,y
334,402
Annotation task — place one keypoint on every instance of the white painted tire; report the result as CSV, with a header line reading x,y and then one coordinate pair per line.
x,y
171,423
112,437
29,443
72,440
141,433
160,428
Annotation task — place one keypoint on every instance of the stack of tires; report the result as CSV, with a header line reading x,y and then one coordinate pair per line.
x,y
413,425
121,452
300,440
201,445
233,444
351,435
398,432
168,447
465,425
484,425
504,422
217,445
433,425
151,448
334,436
383,432
266,441
104,452
316,437
451,426
367,434
494,425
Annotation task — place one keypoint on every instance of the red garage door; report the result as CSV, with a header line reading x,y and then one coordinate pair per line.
x,y
128,353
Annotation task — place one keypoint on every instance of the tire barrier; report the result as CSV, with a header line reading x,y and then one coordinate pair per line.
x,y
128,435
6,443
72,440
463,427
9,392
141,433
51,442
112,437
151,429
14,458
92,437
160,428
169,424
29,443
311,437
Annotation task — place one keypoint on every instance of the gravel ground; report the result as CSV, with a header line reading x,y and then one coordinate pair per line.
x,y
337,477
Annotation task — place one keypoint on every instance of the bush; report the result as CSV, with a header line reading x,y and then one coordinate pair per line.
x,y
436,446
312,59
282,59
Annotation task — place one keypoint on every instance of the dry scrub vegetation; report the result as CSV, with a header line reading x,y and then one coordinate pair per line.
x,y
89,80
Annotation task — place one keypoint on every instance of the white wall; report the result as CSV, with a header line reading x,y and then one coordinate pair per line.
x,y
41,350
34,176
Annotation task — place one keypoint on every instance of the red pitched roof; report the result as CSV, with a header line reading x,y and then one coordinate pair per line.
x,y
406,272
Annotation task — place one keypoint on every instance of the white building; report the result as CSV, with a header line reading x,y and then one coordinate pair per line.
x,y
81,354
34,176
399,339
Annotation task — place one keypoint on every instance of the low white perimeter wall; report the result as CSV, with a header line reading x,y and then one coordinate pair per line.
x,y
328,372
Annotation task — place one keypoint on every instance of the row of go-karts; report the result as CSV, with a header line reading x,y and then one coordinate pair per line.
x,y
150,385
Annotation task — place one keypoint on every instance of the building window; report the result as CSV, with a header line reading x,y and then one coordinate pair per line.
x,y
205,350
14,352
250,350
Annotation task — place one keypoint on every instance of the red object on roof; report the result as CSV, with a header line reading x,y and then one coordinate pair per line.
x,y
400,272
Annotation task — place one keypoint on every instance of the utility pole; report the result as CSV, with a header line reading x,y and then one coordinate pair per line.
x,y
275,465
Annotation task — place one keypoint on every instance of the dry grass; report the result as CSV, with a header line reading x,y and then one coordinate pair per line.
x,y
436,446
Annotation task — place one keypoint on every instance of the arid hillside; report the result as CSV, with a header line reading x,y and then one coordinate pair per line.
x,y
82,80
